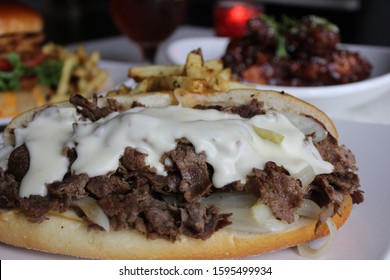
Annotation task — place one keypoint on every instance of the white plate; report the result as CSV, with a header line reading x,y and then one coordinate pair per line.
x,y
4,121
328,98
366,234
117,72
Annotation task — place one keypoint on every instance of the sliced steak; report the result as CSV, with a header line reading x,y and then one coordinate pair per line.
x,y
282,193
159,219
253,108
338,155
102,186
89,109
19,162
193,169
9,191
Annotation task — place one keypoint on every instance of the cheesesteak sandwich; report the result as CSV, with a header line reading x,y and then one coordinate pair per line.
x,y
174,176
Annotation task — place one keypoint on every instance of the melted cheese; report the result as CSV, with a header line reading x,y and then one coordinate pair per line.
x,y
45,138
232,146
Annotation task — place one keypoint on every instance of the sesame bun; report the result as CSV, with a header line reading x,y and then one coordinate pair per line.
x,y
19,18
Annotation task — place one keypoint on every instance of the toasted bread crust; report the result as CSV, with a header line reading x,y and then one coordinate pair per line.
x,y
62,235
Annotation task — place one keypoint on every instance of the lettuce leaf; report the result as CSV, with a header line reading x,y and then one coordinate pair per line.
x,y
48,72
10,80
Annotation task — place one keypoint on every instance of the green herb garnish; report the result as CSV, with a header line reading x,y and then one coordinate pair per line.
x,y
278,31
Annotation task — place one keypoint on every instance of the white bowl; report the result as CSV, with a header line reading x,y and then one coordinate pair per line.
x,y
328,98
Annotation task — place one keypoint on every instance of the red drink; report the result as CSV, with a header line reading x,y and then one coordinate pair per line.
x,y
148,22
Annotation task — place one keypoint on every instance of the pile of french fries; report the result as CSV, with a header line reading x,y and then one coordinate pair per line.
x,y
80,73
196,75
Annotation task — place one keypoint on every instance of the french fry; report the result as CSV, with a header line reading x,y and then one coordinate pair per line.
x,y
194,64
225,74
144,86
196,75
222,80
170,83
63,85
121,90
92,60
80,72
139,73
173,82
213,66
96,82
53,50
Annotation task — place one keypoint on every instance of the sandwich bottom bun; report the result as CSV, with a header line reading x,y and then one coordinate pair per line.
x,y
60,234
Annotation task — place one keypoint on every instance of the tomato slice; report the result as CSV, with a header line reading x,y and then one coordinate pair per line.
x,y
5,65
33,60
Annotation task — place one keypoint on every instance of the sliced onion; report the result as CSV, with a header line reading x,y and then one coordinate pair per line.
x,y
262,215
5,152
251,215
309,209
309,252
93,211
261,212
311,148
243,220
306,175
248,214
230,200
308,126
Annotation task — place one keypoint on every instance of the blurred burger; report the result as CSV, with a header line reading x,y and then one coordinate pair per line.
x,y
21,57
20,32
32,73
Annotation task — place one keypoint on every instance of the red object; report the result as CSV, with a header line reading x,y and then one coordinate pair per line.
x,y
5,65
148,21
33,60
230,17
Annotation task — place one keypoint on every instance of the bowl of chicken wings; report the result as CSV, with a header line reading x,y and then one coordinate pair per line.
x,y
304,57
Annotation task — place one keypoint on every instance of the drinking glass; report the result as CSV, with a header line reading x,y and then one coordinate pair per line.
x,y
148,22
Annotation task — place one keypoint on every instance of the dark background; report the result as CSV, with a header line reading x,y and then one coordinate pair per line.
x,y
68,21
